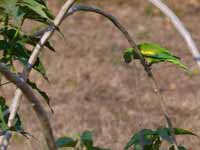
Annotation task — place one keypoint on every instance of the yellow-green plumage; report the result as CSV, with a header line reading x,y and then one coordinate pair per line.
x,y
153,53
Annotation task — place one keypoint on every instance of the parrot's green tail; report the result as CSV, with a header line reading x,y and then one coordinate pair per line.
x,y
176,61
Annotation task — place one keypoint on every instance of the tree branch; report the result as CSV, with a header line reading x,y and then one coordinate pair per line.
x,y
38,108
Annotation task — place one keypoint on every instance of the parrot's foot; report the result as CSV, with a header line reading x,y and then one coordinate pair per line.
x,y
149,65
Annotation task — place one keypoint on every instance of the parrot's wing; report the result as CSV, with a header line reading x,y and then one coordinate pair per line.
x,y
163,57
178,63
149,49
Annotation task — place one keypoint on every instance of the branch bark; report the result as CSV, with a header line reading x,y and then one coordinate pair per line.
x,y
38,108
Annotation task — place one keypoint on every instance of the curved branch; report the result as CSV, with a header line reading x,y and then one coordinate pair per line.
x,y
79,7
180,28
39,110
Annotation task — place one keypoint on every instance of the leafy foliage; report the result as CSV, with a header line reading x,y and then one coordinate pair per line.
x,y
148,139
19,10
85,142
66,142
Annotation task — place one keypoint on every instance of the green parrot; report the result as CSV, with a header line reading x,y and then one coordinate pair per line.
x,y
153,53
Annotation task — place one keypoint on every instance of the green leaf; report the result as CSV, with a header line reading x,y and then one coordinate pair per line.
x,y
138,147
12,34
22,54
10,8
99,148
2,101
86,140
38,8
42,93
179,147
3,45
40,68
145,136
66,142
28,39
164,134
41,2
3,108
30,14
17,125
179,131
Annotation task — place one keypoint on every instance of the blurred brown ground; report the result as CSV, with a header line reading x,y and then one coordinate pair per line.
x,y
91,87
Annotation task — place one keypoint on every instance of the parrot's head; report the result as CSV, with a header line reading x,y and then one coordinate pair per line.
x,y
128,55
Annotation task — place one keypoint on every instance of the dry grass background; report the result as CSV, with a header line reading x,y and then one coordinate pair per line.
x,y
91,87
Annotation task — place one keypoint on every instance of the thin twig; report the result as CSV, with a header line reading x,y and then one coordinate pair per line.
x,y
5,83
38,108
18,94
180,28
164,110
4,140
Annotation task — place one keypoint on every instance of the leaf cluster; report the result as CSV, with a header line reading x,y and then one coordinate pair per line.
x,y
17,45
84,142
148,139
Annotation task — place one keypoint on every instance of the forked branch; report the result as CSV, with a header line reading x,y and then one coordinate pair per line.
x,y
38,108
